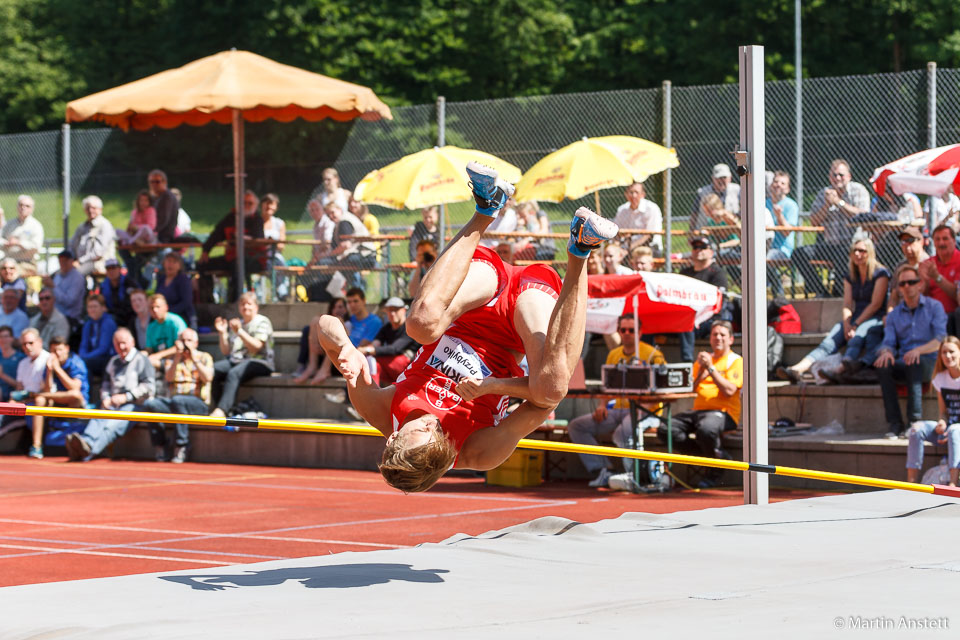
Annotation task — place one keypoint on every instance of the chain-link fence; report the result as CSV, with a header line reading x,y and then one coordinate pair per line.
x,y
867,120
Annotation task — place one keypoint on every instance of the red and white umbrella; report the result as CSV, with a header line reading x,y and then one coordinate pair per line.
x,y
930,172
665,302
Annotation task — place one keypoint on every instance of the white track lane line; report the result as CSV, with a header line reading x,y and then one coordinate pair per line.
x,y
87,552
93,545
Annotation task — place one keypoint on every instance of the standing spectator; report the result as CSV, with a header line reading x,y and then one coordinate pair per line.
x,y
392,349
255,260
22,236
175,285
115,291
911,244
96,340
946,380
10,278
723,188
10,314
785,213
333,192
426,255
639,213
717,380
247,342
162,331
69,286
274,228
49,322
311,351
705,268
10,357
641,259
613,260
127,383
912,333
188,375
944,208
32,375
184,224
587,429
140,319
364,325
166,205
67,385
942,271
142,228
833,208
426,229
864,305
94,242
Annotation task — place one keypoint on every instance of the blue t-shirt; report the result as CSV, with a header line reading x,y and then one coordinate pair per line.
x,y
76,369
365,329
785,242
9,366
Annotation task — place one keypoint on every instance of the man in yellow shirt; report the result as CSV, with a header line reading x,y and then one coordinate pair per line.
x,y
586,429
717,380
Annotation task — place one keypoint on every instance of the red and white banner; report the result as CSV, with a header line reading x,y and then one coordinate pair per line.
x,y
930,172
666,302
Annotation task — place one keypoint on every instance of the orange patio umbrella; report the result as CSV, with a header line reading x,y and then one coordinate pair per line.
x,y
231,86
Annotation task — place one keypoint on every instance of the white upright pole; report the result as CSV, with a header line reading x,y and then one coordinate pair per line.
x,y
441,142
238,189
798,100
751,167
65,140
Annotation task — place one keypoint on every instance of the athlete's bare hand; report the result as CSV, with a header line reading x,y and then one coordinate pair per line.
x,y
353,365
470,388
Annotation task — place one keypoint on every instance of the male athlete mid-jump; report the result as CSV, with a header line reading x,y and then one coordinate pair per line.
x,y
477,318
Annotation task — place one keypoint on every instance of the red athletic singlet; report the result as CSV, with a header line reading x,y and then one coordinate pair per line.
x,y
477,344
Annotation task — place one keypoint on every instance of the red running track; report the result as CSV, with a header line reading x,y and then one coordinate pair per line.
x,y
68,521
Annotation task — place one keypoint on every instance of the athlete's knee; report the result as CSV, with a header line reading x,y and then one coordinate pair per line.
x,y
425,323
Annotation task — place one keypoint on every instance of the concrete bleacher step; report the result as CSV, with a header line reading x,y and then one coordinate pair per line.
x,y
281,398
286,347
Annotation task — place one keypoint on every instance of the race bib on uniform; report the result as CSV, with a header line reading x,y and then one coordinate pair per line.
x,y
456,359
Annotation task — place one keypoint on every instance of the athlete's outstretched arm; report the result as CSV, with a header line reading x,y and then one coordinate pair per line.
x,y
370,401
489,447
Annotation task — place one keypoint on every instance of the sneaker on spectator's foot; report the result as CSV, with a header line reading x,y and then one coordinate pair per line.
x,y
896,430
588,231
489,191
601,480
624,482
35,453
179,455
77,448
159,454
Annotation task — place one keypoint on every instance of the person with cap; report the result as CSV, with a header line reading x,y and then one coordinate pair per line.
x,y
391,349
49,322
723,187
95,241
704,267
911,243
69,287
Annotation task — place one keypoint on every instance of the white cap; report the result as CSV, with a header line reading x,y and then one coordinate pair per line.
x,y
721,171
394,302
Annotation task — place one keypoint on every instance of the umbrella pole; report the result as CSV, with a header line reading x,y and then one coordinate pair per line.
x,y
238,191
596,201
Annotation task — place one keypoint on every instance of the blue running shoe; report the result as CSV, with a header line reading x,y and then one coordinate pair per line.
x,y
489,190
588,231
36,453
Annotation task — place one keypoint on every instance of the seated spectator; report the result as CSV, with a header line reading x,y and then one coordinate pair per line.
x,y
140,320
12,315
69,287
351,255
864,306
911,244
587,429
595,264
425,229
833,208
333,192
10,357
721,186
188,375
176,287
22,236
362,212
312,361
255,260
67,385
911,336
96,341
10,278
392,349
613,260
714,215
891,206
942,272
641,259
426,255
128,382
944,209
322,230
115,289
703,267
533,219
142,228
163,330
785,213
247,343
184,224
717,380
364,325
639,213
166,204
49,322
31,376
94,242
505,221
504,249
946,380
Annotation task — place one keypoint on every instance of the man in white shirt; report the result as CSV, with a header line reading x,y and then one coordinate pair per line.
x,y
22,236
639,213
32,378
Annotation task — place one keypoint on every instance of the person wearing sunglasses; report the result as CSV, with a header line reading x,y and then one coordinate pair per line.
x,y
911,244
913,333
226,231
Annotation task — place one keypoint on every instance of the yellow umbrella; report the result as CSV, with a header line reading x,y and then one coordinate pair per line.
x,y
591,164
427,178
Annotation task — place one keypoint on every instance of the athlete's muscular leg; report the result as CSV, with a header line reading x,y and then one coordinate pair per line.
x,y
453,286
